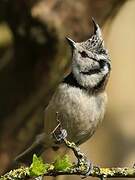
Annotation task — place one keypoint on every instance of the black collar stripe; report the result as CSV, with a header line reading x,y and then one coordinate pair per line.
x,y
71,81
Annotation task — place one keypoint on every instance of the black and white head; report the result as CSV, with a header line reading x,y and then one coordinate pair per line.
x,y
90,60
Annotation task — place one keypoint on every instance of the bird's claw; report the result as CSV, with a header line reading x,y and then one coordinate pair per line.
x,y
59,133
88,170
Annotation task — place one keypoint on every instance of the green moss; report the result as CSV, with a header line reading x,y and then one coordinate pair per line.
x,y
37,167
62,164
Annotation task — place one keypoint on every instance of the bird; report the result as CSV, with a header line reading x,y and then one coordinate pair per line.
x,y
80,99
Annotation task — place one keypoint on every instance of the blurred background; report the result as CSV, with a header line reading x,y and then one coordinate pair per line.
x,y
34,57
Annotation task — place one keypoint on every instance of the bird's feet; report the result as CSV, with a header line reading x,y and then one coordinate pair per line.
x,y
59,133
60,136
89,168
84,165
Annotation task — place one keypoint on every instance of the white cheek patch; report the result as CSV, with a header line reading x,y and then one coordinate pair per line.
x,y
105,69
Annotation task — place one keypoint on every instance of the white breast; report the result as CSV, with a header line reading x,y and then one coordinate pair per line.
x,y
78,111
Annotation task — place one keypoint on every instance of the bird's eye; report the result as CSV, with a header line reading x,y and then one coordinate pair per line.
x,y
84,54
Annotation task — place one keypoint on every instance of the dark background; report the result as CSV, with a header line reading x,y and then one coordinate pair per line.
x,y
34,57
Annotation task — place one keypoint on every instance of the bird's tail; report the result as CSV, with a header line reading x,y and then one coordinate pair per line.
x,y
36,148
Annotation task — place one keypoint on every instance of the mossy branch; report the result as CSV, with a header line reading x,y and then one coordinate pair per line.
x,y
24,173
81,168
62,166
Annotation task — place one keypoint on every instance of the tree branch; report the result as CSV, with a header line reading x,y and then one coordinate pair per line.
x,y
80,168
23,173
83,167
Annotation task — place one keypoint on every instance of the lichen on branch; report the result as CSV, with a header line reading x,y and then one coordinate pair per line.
x,y
63,166
23,173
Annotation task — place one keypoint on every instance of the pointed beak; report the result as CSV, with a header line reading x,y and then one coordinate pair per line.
x,y
71,42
